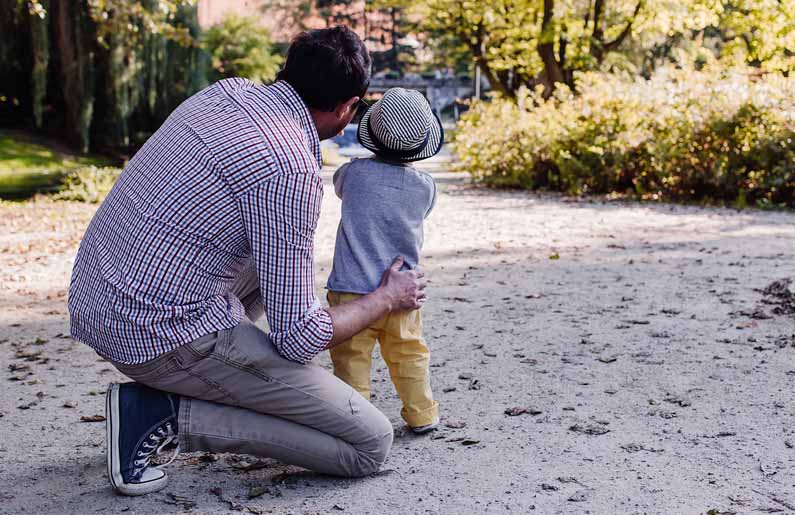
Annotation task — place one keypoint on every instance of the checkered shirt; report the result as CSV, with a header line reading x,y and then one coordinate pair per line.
x,y
231,177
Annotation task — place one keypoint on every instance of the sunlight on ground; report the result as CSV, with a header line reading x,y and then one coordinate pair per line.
x,y
27,166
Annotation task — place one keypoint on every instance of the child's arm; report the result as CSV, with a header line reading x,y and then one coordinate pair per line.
x,y
339,178
432,193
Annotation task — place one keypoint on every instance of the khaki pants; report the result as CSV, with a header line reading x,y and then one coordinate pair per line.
x,y
405,353
239,395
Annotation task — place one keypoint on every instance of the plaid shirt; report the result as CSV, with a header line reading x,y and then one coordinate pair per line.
x,y
231,176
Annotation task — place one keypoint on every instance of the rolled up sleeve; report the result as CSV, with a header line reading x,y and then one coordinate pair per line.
x,y
280,217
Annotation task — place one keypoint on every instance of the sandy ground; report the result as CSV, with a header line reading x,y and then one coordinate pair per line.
x,y
657,379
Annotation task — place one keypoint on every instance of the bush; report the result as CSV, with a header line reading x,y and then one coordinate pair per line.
x,y
683,135
241,47
89,184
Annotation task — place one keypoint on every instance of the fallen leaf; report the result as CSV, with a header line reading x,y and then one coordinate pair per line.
x,y
579,496
246,464
256,491
513,412
589,428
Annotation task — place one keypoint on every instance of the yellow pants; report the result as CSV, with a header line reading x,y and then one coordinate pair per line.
x,y
405,353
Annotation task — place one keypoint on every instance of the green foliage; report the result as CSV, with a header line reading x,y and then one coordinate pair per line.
x,y
135,19
725,135
88,184
241,47
759,32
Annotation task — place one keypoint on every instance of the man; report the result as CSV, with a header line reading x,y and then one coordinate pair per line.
x,y
210,226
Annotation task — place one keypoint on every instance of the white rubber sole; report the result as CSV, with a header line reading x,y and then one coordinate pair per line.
x,y
425,429
112,422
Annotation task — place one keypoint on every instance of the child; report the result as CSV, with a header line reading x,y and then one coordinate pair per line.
x,y
384,203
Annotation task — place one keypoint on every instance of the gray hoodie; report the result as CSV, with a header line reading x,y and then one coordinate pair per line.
x,y
383,208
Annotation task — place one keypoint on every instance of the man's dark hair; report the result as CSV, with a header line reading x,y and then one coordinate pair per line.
x,y
327,66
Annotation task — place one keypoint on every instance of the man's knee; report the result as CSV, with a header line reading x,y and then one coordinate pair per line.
x,y
372,452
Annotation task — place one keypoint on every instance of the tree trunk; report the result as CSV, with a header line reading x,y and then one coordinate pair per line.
x,y
74,44
40,44
553,71
478,50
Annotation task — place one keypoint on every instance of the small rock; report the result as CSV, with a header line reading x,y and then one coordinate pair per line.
x,y
677,399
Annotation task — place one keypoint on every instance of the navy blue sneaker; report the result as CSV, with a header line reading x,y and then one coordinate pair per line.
x,y
140,423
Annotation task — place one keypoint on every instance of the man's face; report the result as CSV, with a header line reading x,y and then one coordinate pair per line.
x,y
332,123
346,119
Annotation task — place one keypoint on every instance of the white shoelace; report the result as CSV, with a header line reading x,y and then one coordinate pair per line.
x,y
158,442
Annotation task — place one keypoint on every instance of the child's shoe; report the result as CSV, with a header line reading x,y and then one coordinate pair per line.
x,y
421,430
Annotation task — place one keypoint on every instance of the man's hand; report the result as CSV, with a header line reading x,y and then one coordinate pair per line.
x,y
399,291
405,290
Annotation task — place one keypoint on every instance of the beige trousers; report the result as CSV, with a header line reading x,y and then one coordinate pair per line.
x,y
239,395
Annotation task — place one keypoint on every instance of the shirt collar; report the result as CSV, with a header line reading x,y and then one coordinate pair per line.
x,y
295,104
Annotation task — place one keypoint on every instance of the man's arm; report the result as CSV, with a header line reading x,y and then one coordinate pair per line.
x,y
280,217
398,291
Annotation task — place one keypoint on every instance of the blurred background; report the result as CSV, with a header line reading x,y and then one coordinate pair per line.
x,y
659,100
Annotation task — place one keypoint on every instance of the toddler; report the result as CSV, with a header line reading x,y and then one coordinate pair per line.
x,y
384,204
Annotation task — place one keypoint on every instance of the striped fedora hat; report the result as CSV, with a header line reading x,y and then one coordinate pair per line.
x,y
401,126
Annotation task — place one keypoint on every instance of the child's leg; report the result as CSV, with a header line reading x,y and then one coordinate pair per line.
x,y
408,359
352,359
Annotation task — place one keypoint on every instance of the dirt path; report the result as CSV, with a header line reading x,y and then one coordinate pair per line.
x,y
647,328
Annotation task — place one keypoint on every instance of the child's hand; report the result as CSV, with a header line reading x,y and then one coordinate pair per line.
x,y
405,289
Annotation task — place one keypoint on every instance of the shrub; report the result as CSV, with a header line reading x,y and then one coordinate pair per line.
x,y
683,135
241,47
88,184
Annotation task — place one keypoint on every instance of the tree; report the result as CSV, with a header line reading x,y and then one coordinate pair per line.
x,y
759,32
531,42
109,68
240,47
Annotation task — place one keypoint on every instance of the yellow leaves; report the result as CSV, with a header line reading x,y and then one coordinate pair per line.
x,y
36,9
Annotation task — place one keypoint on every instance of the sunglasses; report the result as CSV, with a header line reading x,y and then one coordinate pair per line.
x,y
361,107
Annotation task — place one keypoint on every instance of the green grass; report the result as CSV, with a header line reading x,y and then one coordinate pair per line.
x,y
28,166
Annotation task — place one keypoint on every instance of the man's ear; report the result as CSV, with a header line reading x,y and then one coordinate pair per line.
x,y
344,108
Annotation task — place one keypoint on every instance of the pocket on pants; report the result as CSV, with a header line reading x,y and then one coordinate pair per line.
x,y
354,402
151,371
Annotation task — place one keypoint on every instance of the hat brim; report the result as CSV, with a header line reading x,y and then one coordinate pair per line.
x,y
434,145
